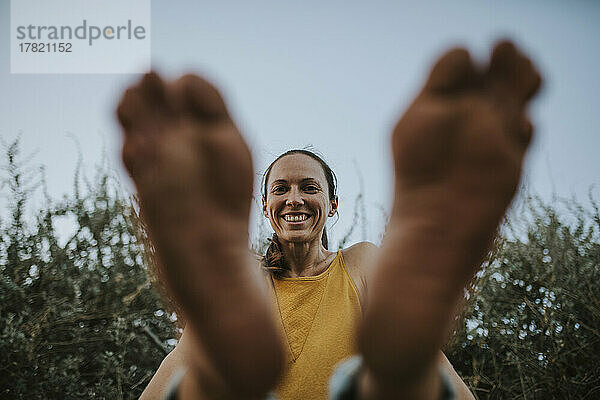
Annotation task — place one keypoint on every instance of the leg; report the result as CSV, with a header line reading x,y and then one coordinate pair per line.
x,y
458,153
194,177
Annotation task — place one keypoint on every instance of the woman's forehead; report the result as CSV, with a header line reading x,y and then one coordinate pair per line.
x,y
296,167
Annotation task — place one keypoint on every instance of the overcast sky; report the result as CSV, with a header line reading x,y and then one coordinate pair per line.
x,y
335,76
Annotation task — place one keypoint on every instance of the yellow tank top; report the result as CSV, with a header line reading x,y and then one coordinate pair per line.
x,y
318,315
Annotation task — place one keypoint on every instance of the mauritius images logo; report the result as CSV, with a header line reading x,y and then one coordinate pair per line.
x,y
80,36
85,31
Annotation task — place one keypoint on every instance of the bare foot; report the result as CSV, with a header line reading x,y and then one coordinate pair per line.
x,y
194,176
458,153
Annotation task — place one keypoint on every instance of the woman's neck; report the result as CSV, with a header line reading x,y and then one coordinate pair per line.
x,y
304,259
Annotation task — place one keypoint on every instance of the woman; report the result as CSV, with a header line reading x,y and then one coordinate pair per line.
x,y
193,173
318,297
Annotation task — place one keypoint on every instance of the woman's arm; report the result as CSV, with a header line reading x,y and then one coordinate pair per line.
x,y
461,390
171,363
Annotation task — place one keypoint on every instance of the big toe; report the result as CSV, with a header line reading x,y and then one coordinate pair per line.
x,y
513,73
453,72
199,97
141,102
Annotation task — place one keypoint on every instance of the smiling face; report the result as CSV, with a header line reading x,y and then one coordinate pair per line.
x,y
297,199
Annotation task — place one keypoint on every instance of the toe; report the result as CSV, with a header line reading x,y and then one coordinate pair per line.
x,y
199,97
524,132
513,74
154,92
142,103
129,109
453,72
129,159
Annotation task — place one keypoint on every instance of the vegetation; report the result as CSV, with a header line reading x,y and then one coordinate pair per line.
x,y
78,320
532,322
79,317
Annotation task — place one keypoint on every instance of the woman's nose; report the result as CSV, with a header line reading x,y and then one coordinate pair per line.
x,y
294,198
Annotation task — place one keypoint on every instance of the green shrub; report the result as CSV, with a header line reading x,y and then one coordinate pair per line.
x,y
79,320
532,323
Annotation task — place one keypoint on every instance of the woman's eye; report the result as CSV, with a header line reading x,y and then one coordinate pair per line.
x,y
278,189
311,188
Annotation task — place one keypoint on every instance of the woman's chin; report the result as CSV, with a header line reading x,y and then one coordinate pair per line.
x,y
294,237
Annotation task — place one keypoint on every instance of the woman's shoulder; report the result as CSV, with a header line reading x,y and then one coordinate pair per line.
x,y
361,256
360,259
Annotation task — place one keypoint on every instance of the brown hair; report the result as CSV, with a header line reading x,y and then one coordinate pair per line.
x,y
273,260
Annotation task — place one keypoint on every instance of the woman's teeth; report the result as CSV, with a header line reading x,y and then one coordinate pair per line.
x,y
296,218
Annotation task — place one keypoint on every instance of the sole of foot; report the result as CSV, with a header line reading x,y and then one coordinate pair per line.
x,y
194,176
458,152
